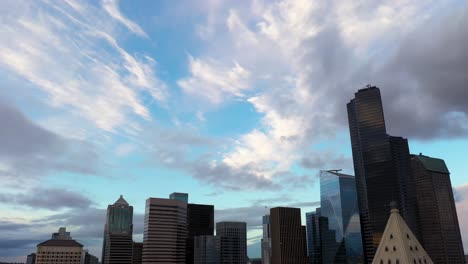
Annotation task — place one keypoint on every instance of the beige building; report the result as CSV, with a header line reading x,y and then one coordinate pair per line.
x,y
399,245
55,251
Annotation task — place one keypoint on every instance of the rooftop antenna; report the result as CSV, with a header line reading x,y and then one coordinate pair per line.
x,y
336,171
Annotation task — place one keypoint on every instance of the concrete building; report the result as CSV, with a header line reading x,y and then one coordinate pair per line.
x,y
55,251
233,242
438,221
118,231
200,222
398,244
206,250
288,236
137,253
31,259
165,233
266,240
382,169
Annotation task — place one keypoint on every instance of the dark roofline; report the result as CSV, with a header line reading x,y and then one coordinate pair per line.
x,y
59,243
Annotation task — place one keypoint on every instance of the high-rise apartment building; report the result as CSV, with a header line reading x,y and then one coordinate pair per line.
x,y
338,203
118,231
266,240
288,236
233,242
165,233
382,169
59,251
200,222
438,221
206,250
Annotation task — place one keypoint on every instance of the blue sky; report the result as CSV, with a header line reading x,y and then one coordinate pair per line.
x,y
238,103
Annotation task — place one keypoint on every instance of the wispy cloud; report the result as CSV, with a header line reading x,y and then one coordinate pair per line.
x,y
112,8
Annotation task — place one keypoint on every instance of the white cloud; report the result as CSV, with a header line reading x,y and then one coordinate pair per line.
x,y
61,52
215,82
112,8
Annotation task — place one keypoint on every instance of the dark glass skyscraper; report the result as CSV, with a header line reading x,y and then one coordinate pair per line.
x,y
200,221
118,243
288,236
313,237
381,165
339,205
232,242
438,221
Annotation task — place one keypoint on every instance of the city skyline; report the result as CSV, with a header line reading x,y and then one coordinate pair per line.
x,y
238,104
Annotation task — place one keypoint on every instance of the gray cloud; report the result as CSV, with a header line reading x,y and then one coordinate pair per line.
x,y
29,150
48,198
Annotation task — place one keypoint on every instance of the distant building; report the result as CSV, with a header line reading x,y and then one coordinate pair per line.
x,y
200,222
206,250
165,233
137,253
62,234
90,259
382,168
288,236
313,237
255,261
233,242
59,251
399,245
338,203
183,197
266,240
438,219
118,231
31,259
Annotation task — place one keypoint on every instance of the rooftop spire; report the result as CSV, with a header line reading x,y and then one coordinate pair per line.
x,y
121,201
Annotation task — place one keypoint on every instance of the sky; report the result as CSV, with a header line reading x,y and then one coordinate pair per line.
x,y
238,103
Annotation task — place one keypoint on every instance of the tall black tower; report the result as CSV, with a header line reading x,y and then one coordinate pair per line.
x,y
382,169
200,222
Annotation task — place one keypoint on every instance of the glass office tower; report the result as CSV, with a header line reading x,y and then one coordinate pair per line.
x,y
382,169
339,205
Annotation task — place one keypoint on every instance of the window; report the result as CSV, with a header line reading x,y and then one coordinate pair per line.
x,y
407,236
389,261
394,248
386,248
397,261
391,236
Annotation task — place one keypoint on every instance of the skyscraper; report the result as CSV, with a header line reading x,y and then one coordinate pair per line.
x,y
183,197
165,234
233,242
118,231
266,240
206,250
313,237
62,234
381,165
338,203
200,222
137,252
438,221
288,236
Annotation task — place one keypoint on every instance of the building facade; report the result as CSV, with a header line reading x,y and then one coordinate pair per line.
x,y
440,230
266,240
137,253
183,197
59,251
288,236
313,237
206,250
62,234
118,231
338,203
233,242
31,259
165,233
382,169
90,259
200,222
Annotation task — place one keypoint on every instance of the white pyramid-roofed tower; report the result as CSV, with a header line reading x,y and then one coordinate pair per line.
x,y
398,244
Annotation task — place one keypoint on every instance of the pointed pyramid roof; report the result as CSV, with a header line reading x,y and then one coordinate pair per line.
x,y
399,245
121,201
